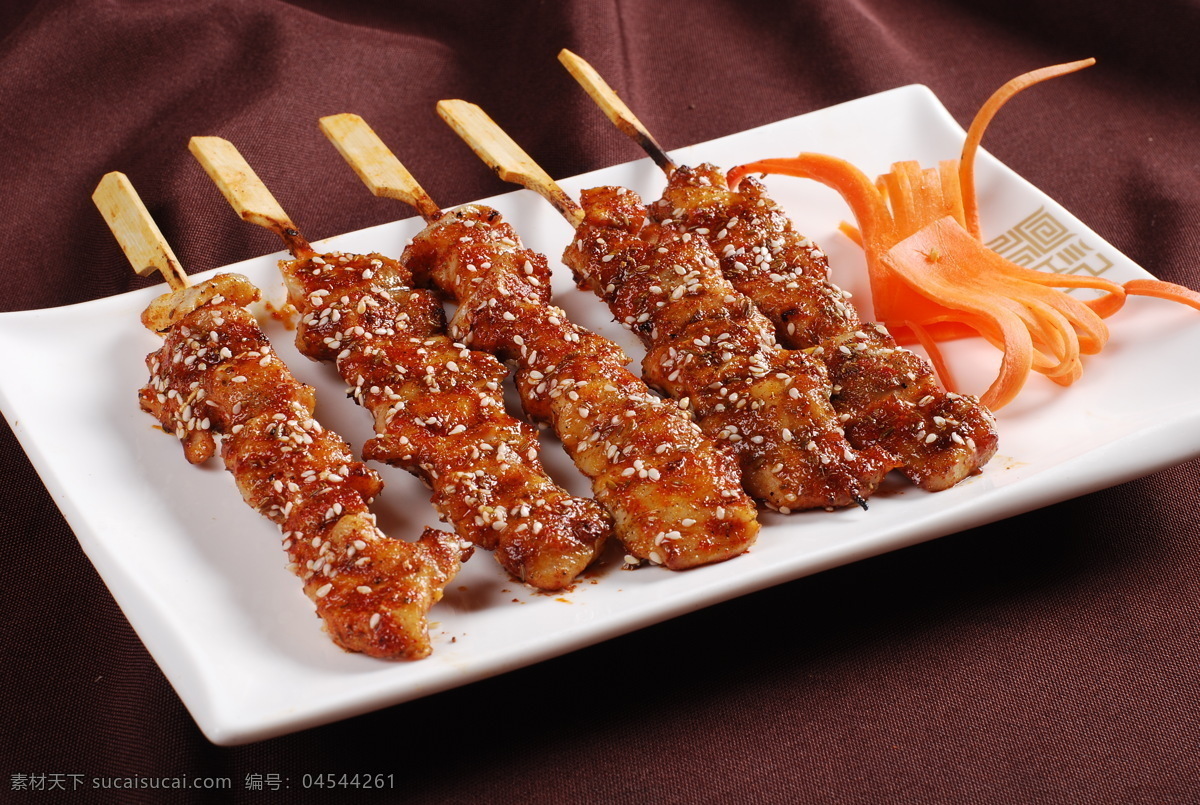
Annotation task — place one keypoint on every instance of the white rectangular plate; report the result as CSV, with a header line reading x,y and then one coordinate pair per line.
x,y
201,576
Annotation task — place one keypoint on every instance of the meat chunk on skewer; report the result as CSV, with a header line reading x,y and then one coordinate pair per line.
x,y
216,381
708,344
439,413
885,396
675,497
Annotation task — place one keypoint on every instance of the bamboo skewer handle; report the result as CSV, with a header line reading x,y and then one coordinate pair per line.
x,y
140,238
616,109
238,182
375,163
504,156
244,191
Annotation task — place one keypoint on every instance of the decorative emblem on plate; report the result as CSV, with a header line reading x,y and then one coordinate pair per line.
x,y
1043,242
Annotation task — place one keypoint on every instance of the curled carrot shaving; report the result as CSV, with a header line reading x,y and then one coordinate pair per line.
x,y
941,262
935,354
1163,290
933,279
983,117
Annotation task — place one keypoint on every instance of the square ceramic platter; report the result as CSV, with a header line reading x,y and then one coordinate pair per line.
x,y
201,576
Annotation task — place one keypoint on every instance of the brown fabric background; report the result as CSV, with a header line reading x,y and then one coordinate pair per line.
x,y
1050,658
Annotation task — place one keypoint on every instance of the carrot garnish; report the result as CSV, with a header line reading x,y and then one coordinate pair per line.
x,y
1163,290
983,117
933,279
935,354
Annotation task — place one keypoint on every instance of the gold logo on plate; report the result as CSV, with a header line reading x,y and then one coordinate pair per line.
x,y
1044,243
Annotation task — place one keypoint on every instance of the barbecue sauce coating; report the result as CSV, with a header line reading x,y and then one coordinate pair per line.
x,y
707,343
675,497
886,396
439,414
216,378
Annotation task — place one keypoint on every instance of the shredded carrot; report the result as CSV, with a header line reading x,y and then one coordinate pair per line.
x,y
935,354
1163,290
983,117
932,278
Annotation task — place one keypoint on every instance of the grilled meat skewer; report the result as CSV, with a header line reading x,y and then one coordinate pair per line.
x,y
217,379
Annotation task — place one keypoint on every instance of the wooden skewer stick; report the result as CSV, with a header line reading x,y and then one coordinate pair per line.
x,y
505,157
376,165
131,224
612,105
246,193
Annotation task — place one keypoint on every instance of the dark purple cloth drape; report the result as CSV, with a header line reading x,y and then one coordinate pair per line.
x,y
1052,657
